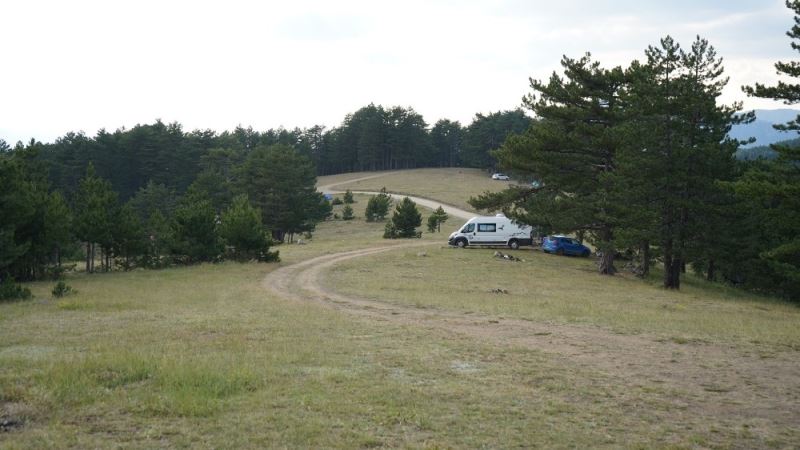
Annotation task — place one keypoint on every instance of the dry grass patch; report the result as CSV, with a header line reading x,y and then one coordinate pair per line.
x,y
549,288
453,186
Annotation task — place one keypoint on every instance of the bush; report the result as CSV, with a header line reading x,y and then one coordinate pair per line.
x,y
347,213
12,291
389,231
62,289
378,206
348,197
336,201
436,220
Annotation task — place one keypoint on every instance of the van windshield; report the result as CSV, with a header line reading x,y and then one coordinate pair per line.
x,y
468,228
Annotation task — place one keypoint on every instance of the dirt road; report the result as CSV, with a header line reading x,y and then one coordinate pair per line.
x,y
734,384
432,204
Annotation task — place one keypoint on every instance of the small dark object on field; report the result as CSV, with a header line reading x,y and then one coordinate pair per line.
x,y
498,291
501,255
422,254
62,289
9,424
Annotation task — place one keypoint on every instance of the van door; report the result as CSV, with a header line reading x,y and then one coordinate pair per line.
x,y
486,233
469,232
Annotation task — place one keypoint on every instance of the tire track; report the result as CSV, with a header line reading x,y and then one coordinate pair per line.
x,y
731,383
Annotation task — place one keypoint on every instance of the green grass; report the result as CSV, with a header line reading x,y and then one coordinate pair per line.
x,y
204,356
453,186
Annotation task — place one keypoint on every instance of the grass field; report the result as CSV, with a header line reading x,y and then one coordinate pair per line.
x,y
453,186
553,289
205,356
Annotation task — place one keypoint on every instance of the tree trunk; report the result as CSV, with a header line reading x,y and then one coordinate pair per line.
x,y
607,263
672,273
668,263
88,252
606,266
645,259
711,273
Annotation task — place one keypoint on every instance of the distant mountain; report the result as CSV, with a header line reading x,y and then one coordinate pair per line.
x,y
762,130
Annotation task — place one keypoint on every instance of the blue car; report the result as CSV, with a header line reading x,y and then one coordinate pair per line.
x,y
562,245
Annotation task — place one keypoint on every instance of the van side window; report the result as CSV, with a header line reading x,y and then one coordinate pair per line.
x,y
487,228
469,228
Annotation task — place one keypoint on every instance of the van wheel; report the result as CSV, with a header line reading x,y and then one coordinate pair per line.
x,y
461,243
513,244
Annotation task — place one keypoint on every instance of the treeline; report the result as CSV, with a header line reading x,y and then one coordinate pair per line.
x,y
372,138
764,151
638,161
235,208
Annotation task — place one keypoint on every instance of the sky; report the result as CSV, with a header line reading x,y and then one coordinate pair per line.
x,y
86,65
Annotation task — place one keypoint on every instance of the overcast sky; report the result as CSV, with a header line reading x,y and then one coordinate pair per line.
x,y
85,65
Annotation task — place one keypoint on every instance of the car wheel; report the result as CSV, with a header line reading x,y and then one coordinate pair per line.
x,y
513,244
586,253
560,252
461,243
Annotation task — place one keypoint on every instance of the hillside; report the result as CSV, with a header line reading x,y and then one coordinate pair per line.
x,y
453,186
357,341
761,129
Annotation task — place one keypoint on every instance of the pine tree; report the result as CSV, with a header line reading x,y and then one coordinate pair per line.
x,y
676,152
128,235
194,226
282,183
572,148
777,183
347,212
96,204
378,206
159,239
348,197
406,219
436,220
243,231
16,210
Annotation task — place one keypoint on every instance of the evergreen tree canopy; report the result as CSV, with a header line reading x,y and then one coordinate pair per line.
x,y
406,219
378,206
776,184
242,229
282,183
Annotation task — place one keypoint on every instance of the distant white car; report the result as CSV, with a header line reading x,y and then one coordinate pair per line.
x,y
500,176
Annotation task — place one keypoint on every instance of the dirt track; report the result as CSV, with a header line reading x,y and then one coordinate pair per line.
x,y
734,384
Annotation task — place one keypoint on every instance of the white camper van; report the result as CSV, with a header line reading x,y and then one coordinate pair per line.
x,y
492,230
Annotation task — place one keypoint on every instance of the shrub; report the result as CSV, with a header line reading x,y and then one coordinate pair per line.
x,y
347,213
62,289
436,220
389,231
336,201
378,206
12,291
348,197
